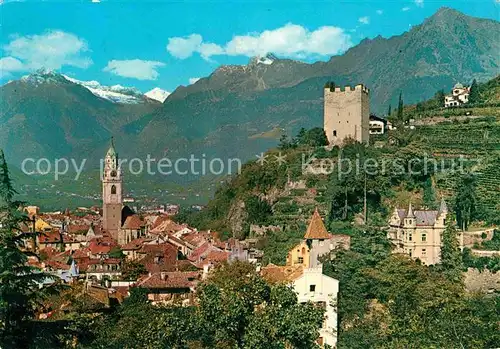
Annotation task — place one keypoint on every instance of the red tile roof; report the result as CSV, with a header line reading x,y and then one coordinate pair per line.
x,y
135,244
50,237
101,245
170,280
133,222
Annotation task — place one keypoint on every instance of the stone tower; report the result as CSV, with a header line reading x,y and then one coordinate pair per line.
x,y
112,193
346,113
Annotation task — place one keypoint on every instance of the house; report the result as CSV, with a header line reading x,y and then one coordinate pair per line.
x,y
377,125
304,273
419,233
171,287
311,285
104,268
317,242
459,96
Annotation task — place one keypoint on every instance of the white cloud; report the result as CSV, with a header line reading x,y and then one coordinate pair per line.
x,y
96,1
379,12
193,80
419,3
184,47
290,41
51,50
406,8
364,20
134,68
10,64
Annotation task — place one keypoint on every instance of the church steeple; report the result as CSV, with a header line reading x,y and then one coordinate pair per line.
x,y
112,192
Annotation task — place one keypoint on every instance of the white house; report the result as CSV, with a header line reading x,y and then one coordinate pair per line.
x,y
316,287
459,95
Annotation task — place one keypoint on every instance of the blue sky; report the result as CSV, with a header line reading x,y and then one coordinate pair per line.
x,y
160,44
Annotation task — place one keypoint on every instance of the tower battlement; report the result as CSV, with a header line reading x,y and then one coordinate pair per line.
x,y
347,88
346,113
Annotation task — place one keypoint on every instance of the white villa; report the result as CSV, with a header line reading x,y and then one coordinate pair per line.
x,y
459,95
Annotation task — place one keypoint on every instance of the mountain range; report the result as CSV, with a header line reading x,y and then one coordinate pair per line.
x,y
240,110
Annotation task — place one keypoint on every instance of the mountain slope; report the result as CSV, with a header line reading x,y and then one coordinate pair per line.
x,y
46,115
224,113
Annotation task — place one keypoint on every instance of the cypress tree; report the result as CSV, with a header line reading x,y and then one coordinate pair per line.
x,y
474,93
400,107
451,256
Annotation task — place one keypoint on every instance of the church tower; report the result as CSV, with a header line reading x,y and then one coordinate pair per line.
x,y
112,193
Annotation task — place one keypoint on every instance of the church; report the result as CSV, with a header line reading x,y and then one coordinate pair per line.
x,y
118,220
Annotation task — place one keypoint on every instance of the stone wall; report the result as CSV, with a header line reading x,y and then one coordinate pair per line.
x,y
347,114
485,281
471,237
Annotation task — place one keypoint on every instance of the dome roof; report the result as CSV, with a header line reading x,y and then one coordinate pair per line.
x,y
458,85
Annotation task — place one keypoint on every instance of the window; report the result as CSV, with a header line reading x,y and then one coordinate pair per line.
x,y
409,237
424,237
301,260
424,251
113,189
312,288
409,252
334,133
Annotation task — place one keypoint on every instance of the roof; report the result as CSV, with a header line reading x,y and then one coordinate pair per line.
x,y
278,274
166,280
135,244
111,151
422,217
52,236
316,228
133,222
458,85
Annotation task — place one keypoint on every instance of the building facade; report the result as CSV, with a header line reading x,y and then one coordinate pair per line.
x,y
346,114
419,233
112,193
459,95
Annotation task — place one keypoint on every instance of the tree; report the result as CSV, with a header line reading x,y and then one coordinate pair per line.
x,y
439,98
133,270
465,201
400,108
239,309
451,256
314,137
18,281
116,252
389,111
474,96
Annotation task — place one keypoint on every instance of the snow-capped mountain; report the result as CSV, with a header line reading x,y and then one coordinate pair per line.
x,y
157,94
115,93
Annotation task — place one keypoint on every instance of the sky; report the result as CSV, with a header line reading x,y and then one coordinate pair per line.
x,y
149,44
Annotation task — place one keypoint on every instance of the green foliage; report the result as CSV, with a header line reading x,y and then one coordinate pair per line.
x,y
133,270
390,301
480,263
474,93
465,201
18,281
314,137
116,252
400,115
451,259
258,210
237,309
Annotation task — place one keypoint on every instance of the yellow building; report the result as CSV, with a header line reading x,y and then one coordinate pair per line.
x,y
42,226
317,242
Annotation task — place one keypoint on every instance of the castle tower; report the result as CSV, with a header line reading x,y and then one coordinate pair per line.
x,y
346,113
112,193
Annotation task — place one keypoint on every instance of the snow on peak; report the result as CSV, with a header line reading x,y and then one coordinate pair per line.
x,y
157,94
268,59
115,93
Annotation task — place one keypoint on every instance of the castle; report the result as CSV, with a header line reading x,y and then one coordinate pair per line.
x,y
118,220
419,233
346,113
